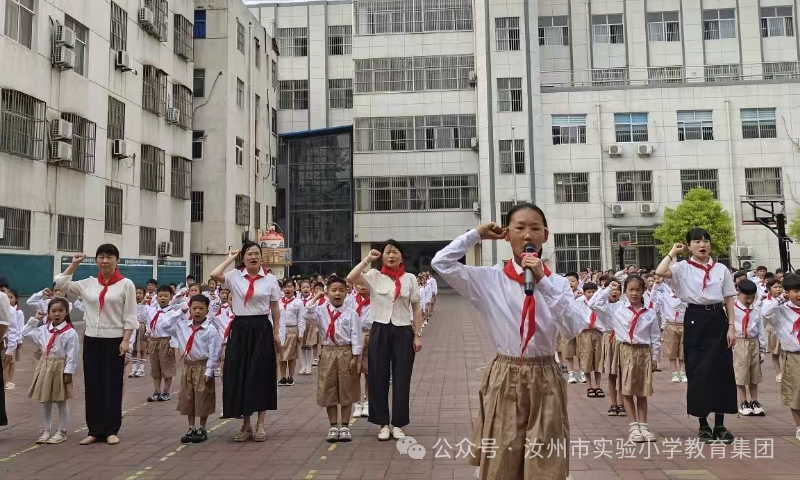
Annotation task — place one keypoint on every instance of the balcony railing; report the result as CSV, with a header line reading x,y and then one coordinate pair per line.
x,y
659,76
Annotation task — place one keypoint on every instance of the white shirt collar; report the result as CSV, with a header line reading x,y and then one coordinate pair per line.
x,y
261,271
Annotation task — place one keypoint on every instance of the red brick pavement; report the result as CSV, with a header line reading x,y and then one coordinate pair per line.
x,y
444,401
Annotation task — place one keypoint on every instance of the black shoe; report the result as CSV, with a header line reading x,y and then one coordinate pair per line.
x,y
200,435
164,397
154,397
190,434
758,410
290,381
282,382
722,434
705,434
613,411
621,411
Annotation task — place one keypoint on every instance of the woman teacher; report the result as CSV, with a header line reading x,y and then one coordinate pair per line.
x,y
110,316
249,378
393,341
5,322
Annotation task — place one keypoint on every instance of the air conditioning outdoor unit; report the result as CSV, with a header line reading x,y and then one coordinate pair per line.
x,y
473,78
63,57
745,251
618,210
119,149
615,150
473,143
146,18
476,208
165,249
748,265
60,153
64,36
60,129
644,150
173,115
647,209
123,61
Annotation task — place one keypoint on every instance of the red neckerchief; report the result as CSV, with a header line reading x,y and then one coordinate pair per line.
x,y
331,332
746,318
221,308
395,276
321,300
635,320
706,268
115,277
154,320
286,301
796,324
251,289
190,342
362,302
305,300
528,306
55,333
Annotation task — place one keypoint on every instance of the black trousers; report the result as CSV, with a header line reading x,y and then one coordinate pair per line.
x,y
390,347
102,377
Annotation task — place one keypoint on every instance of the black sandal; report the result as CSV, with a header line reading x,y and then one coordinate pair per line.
x,y
621,411
599,393
591,393
612,411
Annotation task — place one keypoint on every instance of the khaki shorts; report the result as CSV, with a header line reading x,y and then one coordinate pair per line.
x,y
336,384
365,352
567,349
672,341
773,344
590,350
198,393
141,341
636,371
746,361
162,364
790,381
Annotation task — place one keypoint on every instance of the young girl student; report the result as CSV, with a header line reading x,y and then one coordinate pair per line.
x,y
139,351
748,353
361,306
590,343
709,333
774,290
610,347
523,394
13,341
637,329
673,311
292,329
52,379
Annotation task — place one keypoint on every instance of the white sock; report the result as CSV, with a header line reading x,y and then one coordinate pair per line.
x,y
47,416
63,416
141,364
309,357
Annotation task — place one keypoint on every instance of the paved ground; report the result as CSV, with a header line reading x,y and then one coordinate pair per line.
x,y
444,401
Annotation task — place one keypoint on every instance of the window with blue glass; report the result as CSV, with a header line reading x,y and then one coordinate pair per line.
x,y
199,24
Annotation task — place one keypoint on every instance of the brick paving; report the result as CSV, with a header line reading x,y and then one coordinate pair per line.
x,y
443,404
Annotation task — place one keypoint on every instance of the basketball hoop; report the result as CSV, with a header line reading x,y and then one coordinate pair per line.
x,y
624,244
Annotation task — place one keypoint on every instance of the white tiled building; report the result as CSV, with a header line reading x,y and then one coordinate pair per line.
x,y
612,106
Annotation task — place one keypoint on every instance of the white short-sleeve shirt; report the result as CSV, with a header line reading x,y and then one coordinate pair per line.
x,y
384,308
687,283
265,290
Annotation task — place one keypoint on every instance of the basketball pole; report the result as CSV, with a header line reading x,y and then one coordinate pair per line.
x,y
783,244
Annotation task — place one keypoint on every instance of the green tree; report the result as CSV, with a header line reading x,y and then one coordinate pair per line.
x,y
794,228
698,209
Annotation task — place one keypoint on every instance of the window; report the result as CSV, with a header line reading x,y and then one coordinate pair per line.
x,y
765,182
758,123
239,93
414,74
113,220
176,238
81,48
257,52
571,187
274,74
340,93
635,186
273,170
432,132
84,134
274,123
154,90
553,31
512,152
184,38
340,39
569,129
377,17
239,152
506,32
182,100
70,233
608,29
197,206
293,95
505,207
119,28
22,124
19,21
239,36
509,94
17,235
147,241
257,216
293,42
695,125
199,24
576,251
196,265
242,210
777,22
630,127
152,168
719,24
116,119
160,10
423,193
273,213
699,179
199,83
257,160
181,179
197,144
664,27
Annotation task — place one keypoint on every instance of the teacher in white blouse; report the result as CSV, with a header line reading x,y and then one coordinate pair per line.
x,y
393,340
110,315
5,322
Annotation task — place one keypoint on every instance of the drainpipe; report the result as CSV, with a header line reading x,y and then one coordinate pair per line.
x,y
602,170
735,253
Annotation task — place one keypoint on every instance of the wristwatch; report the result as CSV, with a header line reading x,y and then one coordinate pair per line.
x,y
419,334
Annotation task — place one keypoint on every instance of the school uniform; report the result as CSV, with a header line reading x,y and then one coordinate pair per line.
x,y
311,335
41,303
784,317
140,341
590,341
337,384
709,362
773,344
13,338
673,311
362,310
222,319
162,363
523,394
60,346
5,319
750,343
609,345
292,328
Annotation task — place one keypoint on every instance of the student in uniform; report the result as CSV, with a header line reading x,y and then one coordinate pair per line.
x,y
590,343
707,288
162,347
569,348
13,340
748,353
774,290
673,311
140,343
610,346
361,306
311,335
151,294
523,394
5,321
340,362
783,314
293,326
313,340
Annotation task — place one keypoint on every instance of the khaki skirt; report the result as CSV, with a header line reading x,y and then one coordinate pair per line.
x,y
567,349
289,348
198,393
773,344
522,403
311,336
672,341
790,381
636,371
336,384
140,343
365,353
610,360
590,350
48,381
746,361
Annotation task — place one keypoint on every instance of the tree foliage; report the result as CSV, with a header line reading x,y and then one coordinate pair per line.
x,y
699,209
794,228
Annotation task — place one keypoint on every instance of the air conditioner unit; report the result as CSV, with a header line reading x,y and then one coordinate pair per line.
x,y
123,61
165,249
473,78
60,153
473,143
476,208
173,115
618,210
748,265
644,150
647,209
64,36
744,251
146,18
63,57
60,129
615,150
119,149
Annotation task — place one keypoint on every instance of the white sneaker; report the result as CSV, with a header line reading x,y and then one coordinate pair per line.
x,y
797,435
571,378
59,437
140,372
365,409
385,434
646,433
676,377
744,409
357,409
758,410
397,433
582,378
635,434
683,378
44,437
10,386
778,378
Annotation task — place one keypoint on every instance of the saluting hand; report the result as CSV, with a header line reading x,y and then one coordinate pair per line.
x,y
373,255
78,258
491,231
233,254
676,249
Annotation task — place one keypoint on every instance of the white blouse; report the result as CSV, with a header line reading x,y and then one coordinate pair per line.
x,y
672,308
385,309
157,329
782,318
66,344
119,311
207,342
687,283
347,329
266,290
5,310
755,326
619,316
292,315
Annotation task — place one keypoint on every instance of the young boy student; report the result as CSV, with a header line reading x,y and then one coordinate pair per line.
x,y
139,351
361,306
200,342
162,346
748,352
774,290
590,343
569,348
339,363
672,311
292,328
13,340
610,345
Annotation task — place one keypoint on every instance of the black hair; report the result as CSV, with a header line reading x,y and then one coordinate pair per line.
x,y
525,206
572,274
778,270
245,247
4,283
339,280
188,277
396,245
305,281
107,249
697,234
739,273
152,281
163,288
319,285
14,292
769,276
173,284
791,282
199,298
633,278
761,267
140,288
772,281
286,281
747,287
604,279
609,280
64,303
589,286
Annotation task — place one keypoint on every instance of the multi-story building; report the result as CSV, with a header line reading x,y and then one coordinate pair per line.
x,y
235,138
95,136
606,116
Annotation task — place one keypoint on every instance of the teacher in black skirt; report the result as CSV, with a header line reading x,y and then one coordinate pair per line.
x,y
5,322
249,377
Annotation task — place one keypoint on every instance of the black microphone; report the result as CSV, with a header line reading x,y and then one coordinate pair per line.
x,y
530,249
